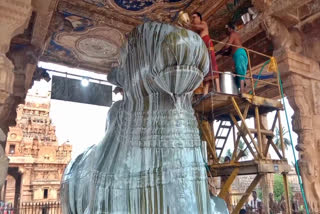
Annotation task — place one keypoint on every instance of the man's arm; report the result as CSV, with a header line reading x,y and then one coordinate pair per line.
x,y
198,27
230,41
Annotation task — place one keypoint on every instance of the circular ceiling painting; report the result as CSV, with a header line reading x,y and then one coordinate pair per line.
x,y
136,5
96,47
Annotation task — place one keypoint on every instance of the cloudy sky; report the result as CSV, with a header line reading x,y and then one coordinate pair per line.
x,y
83,125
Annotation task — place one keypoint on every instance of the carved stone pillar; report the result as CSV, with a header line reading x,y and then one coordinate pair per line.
x,y
301,78
14,18
6,88
26,193
4,161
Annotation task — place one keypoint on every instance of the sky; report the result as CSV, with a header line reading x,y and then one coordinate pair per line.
x,y
81,124
270,117
84,125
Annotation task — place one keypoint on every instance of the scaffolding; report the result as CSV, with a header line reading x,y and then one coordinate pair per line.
x,y
231,113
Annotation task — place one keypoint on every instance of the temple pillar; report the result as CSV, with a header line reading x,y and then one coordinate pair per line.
x,y
14,18
4,161
26,193
301,82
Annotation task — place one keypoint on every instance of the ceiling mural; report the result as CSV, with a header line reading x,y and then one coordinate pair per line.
x,y
95,48
142,7
99,3
79,23
89,33
96,45
141,4
80,41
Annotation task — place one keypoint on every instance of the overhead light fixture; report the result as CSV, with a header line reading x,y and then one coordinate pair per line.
x,y
84,82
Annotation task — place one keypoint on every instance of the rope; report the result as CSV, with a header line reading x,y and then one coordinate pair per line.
x,y
291,142
273,66
256,83
288,126
263,77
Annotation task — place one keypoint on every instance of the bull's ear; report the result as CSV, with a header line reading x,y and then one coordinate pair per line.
x,y
116,77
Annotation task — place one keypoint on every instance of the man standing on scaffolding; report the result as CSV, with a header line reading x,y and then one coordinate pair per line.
x,y
201,27
239,56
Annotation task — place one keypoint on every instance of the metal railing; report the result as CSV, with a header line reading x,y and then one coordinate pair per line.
x,y
53,207
254,73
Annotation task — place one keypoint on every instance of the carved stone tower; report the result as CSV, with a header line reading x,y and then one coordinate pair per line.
x,y
37,161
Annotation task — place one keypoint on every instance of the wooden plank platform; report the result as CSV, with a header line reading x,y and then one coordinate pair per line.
x,y
220,105
251,167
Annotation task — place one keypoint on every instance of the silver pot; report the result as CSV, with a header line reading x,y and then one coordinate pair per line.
x,y
228,83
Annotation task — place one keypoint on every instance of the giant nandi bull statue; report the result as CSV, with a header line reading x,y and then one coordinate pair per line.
x,y
150,159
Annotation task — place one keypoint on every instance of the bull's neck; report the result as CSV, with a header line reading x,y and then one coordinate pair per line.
x,y
170,128
160,120
159,103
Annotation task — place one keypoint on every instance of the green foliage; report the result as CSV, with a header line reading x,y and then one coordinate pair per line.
x,y
278,187
229,153
277,140
241,146
259,193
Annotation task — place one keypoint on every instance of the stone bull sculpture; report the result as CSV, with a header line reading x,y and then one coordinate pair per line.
x,y
150,159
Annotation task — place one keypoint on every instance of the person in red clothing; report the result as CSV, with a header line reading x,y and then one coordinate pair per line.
x,y
201,27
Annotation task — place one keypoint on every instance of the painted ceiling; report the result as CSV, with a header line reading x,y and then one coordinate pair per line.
x,y
89,33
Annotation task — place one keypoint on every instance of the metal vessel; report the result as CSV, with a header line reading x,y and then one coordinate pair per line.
x,y
183,18
228,83
246,18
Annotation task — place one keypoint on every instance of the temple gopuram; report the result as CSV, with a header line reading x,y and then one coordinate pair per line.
x,y
36,159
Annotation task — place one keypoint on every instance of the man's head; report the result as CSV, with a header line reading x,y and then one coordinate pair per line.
x,y
254,195
196,18
227,159
242,211
271,196
230,27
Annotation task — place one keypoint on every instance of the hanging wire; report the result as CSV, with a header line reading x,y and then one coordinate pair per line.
x,y
291,142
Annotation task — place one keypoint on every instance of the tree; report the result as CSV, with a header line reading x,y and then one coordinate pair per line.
x,y
277,140
229,153
259,193
241,147
278,187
